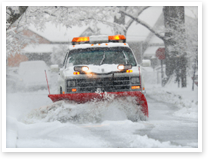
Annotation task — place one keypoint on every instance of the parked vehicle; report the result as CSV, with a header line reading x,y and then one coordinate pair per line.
x,y
32,75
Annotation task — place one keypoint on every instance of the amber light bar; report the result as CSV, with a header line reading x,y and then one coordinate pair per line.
x,y
78,40
99,39
117,38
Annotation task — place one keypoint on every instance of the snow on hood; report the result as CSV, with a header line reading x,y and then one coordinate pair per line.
x,y
105,68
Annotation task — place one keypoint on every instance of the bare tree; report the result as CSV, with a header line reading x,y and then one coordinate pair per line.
x,y
174,40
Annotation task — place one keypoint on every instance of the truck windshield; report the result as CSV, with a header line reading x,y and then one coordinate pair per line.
x,y
99,56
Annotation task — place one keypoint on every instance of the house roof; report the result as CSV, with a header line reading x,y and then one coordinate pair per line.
x,y
59,33
40,48
37,34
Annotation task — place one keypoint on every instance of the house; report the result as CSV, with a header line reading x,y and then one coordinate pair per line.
x,y
57,37
15,59
87,32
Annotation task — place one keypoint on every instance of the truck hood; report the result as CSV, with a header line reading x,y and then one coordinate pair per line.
x,y
105,68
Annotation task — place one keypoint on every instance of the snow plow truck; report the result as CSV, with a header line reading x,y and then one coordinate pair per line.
x,y
97,66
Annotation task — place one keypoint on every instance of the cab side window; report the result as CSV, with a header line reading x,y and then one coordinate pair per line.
x,y
64,62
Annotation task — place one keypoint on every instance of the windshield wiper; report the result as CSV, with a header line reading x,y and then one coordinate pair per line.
x,y
126,59
104,56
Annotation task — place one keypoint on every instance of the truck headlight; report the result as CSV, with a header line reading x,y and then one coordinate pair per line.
x,y
81,68
135,80
85,69
122,67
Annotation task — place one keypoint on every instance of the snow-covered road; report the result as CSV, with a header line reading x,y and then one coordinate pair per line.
x,y
164,126
30,127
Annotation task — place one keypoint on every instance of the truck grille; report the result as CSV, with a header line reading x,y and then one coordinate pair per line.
x,y
102,84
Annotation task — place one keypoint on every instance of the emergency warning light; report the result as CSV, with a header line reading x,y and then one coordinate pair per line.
x,y
78,40
117,38
99,39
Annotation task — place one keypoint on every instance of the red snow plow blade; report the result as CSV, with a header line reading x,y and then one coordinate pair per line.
x,y
85,97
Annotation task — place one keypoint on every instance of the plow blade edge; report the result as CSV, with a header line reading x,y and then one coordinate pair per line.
x,y
85,97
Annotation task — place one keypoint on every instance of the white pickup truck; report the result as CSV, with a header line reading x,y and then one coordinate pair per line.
x,y
99,65
102,63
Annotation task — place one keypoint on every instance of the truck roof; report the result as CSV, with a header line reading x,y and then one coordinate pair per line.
x,y
71,47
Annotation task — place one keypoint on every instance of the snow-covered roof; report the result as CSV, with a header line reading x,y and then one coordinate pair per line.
x,y
59,33
41,48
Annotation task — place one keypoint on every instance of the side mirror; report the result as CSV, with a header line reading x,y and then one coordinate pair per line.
x,y
146,63
54,68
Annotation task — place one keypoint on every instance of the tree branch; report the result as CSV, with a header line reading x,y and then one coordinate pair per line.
x,y
14,17
104,22
144,24
131,20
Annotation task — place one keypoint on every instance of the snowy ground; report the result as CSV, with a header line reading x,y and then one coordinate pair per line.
x,y
172,122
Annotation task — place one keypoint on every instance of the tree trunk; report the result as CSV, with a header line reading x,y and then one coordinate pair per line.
x,y
173,18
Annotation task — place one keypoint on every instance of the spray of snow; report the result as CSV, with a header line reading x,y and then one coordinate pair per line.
x,y
91,112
